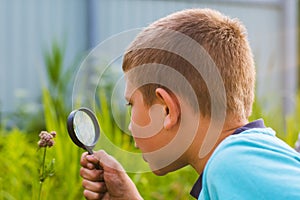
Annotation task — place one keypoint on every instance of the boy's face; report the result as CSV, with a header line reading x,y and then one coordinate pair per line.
x,y
146,126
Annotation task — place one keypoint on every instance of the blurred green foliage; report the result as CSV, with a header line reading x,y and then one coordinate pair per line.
x,y
20,158
58,81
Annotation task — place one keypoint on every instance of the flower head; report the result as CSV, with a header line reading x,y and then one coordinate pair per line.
x,y
46,139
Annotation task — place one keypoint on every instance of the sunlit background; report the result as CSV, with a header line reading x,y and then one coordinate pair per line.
x,y
30,28
42,44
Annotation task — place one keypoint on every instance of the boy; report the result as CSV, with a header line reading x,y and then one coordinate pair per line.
x,y
190,84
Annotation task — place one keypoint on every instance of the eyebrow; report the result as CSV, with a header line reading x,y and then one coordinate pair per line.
x,y
126,96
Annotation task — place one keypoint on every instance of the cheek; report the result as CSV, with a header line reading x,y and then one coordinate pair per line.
x,y
145,145
154,143
147,123
147,128
140,118
137,119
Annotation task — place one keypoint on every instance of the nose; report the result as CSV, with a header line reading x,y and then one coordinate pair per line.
x,y
129,127
135,145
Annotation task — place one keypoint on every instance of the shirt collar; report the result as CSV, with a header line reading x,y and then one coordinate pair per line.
x,y
255,124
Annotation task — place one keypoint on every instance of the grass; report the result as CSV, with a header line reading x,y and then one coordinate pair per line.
x,y
20,158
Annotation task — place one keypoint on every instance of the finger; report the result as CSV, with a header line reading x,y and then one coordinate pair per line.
x,y
106,196
98,187
90,195
92,159
107,161
83,160
89,161
92,175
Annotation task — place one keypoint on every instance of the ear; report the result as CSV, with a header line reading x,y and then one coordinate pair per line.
x,y
172,107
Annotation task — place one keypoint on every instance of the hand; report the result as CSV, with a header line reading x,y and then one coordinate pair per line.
x,y
108,182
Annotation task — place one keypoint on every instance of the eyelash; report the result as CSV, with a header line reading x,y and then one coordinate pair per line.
x,y
129,107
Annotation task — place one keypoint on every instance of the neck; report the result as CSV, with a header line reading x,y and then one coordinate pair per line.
x,y
198,161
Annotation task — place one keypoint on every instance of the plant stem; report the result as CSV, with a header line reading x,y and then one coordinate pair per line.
x,y
42,175
40,191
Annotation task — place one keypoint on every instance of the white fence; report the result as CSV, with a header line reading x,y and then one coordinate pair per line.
x,y
29,27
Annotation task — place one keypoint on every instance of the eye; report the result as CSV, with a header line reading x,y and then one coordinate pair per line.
x,y
129,107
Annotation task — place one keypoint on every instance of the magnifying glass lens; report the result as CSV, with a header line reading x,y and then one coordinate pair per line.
x,y
83,128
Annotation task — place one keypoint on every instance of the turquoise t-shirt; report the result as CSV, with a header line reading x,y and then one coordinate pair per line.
x,y
252,165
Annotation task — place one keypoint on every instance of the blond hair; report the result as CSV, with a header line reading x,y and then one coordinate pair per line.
x,y
224,39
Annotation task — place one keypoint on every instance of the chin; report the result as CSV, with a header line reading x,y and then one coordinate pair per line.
x,y
165,170
159,172
162,171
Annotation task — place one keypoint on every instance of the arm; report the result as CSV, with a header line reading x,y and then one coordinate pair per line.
x,y
108,182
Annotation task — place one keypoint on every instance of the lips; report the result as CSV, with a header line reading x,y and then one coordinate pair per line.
x,y
144,158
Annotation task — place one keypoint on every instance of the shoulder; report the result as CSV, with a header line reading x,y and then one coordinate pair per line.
x,y
257,143
236,147
237,155
252,163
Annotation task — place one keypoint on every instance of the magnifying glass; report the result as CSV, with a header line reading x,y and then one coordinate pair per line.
x,y
83,128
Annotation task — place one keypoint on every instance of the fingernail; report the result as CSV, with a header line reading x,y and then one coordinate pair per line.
x,y
89,157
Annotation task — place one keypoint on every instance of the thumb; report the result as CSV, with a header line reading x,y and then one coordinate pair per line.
x,y
106,161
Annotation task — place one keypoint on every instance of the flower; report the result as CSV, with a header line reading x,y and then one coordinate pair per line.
x,y
46,139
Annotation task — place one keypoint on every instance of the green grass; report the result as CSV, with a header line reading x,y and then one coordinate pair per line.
x,y
20,158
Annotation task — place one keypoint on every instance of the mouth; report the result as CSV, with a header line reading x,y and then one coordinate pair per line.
x,y
144,158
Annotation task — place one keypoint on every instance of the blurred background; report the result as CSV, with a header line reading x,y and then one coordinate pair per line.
x,y
30,28
43,44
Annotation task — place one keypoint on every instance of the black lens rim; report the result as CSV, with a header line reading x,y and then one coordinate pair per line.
x,y
72,134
